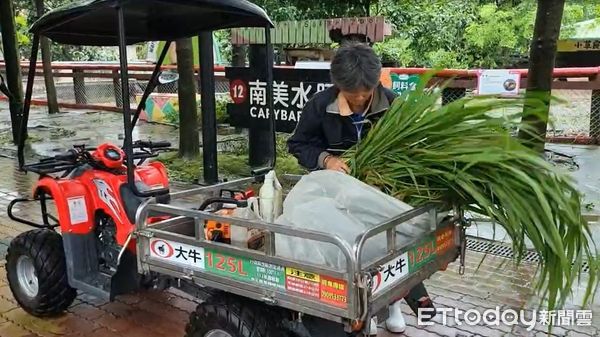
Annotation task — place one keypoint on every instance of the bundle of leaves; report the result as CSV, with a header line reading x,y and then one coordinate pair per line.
x,y
463,154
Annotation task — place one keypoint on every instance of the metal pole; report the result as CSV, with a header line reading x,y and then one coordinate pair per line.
x,y
207,102
260,139
151,84
24,115
127,142
269,68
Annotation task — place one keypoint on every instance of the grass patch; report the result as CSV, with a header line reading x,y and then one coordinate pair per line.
x,y
231,166
232,163
6,138
60,133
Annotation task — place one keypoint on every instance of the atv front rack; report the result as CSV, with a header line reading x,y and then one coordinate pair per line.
x,y
46,217
177,247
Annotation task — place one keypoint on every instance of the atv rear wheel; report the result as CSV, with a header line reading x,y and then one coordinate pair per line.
x,y
37,274
229,316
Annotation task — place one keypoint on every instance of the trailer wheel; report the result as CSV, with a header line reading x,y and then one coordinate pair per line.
x,y
227,316
37,274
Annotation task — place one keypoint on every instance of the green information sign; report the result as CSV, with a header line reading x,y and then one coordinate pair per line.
x,y
246,270
404,82
421,254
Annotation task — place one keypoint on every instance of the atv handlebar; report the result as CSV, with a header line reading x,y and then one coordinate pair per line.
x,y
210,201
70,155
151,145
80,154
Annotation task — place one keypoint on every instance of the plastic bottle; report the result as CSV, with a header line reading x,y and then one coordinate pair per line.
x,y
241,235
278,202
254,206
266,197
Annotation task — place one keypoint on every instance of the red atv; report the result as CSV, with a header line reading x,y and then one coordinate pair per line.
x,y
96,212
98,191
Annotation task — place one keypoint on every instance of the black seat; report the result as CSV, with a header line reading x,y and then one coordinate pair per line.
x,y
132,202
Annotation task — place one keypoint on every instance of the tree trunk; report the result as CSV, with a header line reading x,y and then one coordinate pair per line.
x,y
541,65
47,64
189,140
13,67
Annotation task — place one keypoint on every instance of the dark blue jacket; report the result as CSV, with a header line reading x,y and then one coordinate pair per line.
x,y
321,129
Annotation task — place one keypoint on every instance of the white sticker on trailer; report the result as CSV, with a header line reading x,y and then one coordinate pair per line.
x,y
390,273
178,253
77,210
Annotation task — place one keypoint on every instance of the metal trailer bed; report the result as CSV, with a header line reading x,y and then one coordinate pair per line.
x,y
177,247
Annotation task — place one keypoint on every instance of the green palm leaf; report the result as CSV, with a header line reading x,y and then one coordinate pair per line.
x,y
463,153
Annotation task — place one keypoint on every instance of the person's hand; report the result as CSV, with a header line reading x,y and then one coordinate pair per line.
x,y
336,164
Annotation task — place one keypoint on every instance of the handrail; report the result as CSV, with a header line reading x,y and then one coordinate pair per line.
x,y
142,66
463,73
473,73
362,238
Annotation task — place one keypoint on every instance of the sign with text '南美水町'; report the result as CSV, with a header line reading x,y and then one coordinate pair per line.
x,y
292,89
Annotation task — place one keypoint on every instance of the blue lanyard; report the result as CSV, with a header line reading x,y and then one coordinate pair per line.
x,y
358,121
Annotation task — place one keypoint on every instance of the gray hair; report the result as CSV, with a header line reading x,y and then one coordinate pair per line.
x,y
355,66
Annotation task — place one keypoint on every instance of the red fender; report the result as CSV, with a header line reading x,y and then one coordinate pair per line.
x,y
105,193
74,205
77,200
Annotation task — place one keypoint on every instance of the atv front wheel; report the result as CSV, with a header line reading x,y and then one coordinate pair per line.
x,y
37,273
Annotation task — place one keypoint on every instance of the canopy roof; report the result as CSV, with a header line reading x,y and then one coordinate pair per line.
x,y
94,22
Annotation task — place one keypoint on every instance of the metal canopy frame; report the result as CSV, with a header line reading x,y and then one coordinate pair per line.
x,y
207,91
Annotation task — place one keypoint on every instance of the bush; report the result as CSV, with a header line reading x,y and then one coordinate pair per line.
x,y
395,51
221,102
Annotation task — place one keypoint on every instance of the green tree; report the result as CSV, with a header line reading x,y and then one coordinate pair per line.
x,y
21,29
396,52
282,10
498,35
26,10
469,33
435,29
289,10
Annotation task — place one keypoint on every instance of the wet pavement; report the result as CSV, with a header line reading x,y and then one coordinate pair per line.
x,y
581,162
585,172
51,134
489,281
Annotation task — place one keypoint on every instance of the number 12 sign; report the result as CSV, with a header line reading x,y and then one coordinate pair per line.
x,y
238,91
